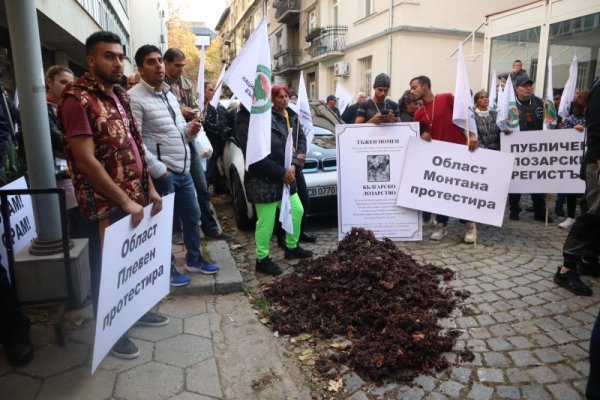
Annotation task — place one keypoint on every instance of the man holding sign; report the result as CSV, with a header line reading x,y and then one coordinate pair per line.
x,y
435,118
104,150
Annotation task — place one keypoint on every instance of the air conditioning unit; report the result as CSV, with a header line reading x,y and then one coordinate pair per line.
x,y
341,69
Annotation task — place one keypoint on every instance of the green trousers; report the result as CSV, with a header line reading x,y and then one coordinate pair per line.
x,y
265,213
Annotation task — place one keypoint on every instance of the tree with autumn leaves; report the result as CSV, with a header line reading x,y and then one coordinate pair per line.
x,y
182,37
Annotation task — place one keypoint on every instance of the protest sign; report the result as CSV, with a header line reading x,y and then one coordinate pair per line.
x,y
135,274
370,159
447,179
22,222
545,161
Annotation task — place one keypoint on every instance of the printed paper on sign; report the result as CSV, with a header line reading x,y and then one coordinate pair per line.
x,y
135,274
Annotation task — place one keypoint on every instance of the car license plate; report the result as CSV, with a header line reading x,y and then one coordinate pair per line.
x,y
321,191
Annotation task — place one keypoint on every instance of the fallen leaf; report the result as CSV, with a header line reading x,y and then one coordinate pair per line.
x,y
303,336
264,320
276,333
417,336
335,385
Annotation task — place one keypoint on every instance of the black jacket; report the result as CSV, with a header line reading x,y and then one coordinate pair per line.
x,y
531,114
592,116
264,179
349,115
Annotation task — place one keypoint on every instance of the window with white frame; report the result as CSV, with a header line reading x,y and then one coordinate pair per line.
x,y
312,20
364,74
334,12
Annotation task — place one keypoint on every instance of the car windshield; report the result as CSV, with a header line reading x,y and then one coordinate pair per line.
x,y
324,138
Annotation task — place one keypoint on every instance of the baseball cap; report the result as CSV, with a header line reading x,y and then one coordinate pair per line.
x,y
331,97
523,79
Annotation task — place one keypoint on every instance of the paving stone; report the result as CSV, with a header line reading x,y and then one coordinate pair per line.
x,y
490,375
198,325
523,358
426,382
547,324
520,342
542,374
501,305
435,396
535,392
190,396
184,307
151,381
183,350
410,393
51,360
573,352
508,392
525,328
499,344
451,388
493,359
15,386
352,382
503,317
154,334
78,384
565,372
561,337
484,319
476,345
480,392
523,290
380,391
466,322
543,340
461,374
479,333
203,378
517,375
563,391
548,355
534,300
583,367
501,330
358,396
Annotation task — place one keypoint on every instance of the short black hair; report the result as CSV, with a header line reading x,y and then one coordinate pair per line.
x,y
173,53
423,80
518,61
98,37
142,52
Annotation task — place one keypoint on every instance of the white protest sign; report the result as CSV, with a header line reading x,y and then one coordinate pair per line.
x,y
135,274
22,222
447,179
370,159
545,161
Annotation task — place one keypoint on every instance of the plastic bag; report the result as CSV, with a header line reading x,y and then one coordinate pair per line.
x,y
203,145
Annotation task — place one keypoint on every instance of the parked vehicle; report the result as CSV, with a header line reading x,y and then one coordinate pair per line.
x,y
320,168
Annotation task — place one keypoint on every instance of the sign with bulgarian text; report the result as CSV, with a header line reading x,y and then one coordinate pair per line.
x,y
447,179
545,161
135,274
370,160
22,222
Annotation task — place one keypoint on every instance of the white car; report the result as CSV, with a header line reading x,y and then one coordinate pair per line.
x,y
320,168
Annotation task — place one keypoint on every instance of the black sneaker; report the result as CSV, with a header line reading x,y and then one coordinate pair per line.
x,y
152,319
268,266
514,216
589,268
125,349
297,252
219,235
570,281
307,237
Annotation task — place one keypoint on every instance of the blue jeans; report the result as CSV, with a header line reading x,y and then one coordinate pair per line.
x,y
207,220
186,209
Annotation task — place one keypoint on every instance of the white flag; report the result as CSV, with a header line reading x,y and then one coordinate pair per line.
x,y
463,114
304,115
249,77
241,74
508,113
492,95
569,92
285,211
200,87
217,95
344,97
550,120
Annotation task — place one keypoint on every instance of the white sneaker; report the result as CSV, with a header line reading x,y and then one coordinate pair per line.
x,y
567,223
439,232
470,233
430,222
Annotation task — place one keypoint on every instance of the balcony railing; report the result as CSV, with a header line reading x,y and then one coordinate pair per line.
x,y
286,60
287,10
327,39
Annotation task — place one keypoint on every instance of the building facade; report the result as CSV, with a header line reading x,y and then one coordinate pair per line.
x,y
538,30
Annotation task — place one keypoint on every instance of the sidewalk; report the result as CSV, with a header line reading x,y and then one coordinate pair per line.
x,y
213,348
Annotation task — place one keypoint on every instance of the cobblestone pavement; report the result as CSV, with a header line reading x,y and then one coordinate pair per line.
x,y
530,337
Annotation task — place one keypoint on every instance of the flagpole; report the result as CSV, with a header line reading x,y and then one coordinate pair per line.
x,y
202,114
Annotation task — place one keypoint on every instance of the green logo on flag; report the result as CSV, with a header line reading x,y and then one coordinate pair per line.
x,y
512,121
550,113
261,98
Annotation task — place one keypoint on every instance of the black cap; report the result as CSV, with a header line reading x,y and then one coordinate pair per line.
x,y
523,79
331,97
381,80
